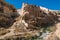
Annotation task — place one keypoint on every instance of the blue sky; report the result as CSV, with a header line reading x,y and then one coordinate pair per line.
x,y
50,4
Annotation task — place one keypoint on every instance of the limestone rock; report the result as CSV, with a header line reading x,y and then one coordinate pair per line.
x,y
54,35
38,16
23,22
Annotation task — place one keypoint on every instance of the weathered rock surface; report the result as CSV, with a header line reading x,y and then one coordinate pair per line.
x,y
39,16
54,35
7,14
26,22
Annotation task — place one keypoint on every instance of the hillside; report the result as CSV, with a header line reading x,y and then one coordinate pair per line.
x,y
31,22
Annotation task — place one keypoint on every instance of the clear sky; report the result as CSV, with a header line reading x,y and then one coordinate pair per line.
x,y
50,4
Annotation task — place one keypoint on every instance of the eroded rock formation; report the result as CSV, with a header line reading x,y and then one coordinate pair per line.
x,y
54,35
7,14
25,22
38,16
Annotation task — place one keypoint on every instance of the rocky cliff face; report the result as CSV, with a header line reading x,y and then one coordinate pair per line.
x,y
29,22
38,16
7,14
